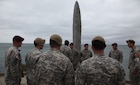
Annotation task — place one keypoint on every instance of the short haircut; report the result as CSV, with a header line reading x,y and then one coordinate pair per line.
x,y
71,44
85,44
98,45
115,44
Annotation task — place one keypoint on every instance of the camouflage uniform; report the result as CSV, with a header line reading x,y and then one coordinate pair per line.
x,y
31,59
85,54
131,65
54,68
13,66
137,71
66,51
75,57
116,54
100,70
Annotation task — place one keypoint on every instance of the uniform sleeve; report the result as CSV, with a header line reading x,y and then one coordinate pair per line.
x,y
12,63
80,76
69,76
121,75
121,56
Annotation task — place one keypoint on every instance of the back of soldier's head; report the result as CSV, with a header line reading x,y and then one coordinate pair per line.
x,y
98,43
39,41
55,40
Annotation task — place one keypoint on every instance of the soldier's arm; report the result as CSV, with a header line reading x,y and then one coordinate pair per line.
x,y
80,76
109,54
121,75
13,63
121,57
69,75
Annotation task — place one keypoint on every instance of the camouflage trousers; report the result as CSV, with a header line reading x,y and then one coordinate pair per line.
x,y
12,82
135,79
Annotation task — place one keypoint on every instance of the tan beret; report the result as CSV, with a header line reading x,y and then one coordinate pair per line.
x,y
56,38
99,38
39,41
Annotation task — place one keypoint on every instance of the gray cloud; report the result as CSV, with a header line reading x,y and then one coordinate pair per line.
x,y
115,20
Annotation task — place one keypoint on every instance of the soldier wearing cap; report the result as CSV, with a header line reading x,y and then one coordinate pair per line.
x,y
115,53
53,67
99,69
31,59
132,63
85,53
13,62
75,56
66,49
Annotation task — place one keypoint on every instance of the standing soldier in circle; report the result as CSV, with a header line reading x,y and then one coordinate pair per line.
x,y
132,63
75,56
31,59
136,71
99,69
115,53
85,53
53,67
13,62
66,49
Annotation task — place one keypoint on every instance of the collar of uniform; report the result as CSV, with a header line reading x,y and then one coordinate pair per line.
x,y
54,49
98,55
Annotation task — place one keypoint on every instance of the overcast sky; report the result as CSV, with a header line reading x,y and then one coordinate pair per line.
x,y
115,20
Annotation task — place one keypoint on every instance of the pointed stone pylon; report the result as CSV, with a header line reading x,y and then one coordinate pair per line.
x,y
77,27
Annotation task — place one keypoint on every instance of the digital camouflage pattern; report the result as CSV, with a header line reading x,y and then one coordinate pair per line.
x,y
75,57
116,54
137,71
100,70
66,51
132,64
54,68
13,66
85,54
31,59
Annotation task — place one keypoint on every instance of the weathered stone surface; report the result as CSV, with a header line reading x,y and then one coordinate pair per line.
x,y
77,27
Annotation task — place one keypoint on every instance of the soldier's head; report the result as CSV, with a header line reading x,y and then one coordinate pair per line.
x,y
66,42
98,43
55,41
86,46
130,43
39,43
114,46
71,45
17,40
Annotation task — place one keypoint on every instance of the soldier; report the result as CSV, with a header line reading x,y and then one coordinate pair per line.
x,y
115,53
131,65
75,56
99,69
13,63
53,67
31,59
85,53
66,49
136,71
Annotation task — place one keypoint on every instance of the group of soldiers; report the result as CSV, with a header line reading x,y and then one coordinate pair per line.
x,y
64,65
